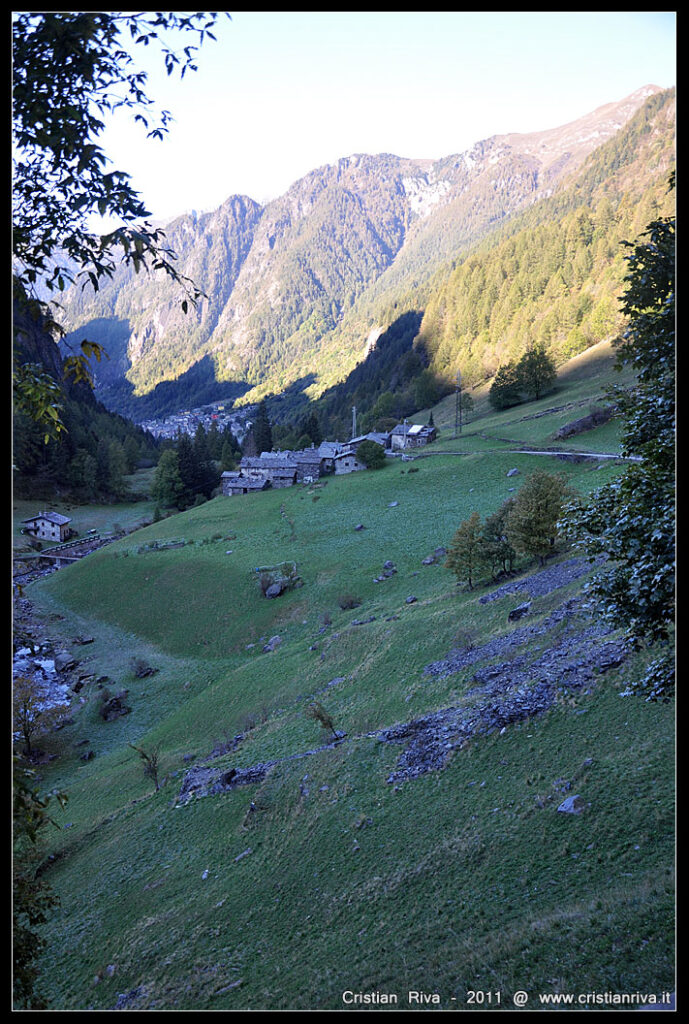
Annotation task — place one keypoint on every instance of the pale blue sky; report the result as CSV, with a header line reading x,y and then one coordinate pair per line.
x,y
281,93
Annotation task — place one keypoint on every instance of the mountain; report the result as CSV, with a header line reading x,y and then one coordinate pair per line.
x,y
79,464
298,290
553,274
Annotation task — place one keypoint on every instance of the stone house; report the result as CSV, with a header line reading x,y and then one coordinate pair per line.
x,y
309,465
347,462
236,483
279,469
377,437
415,435
283,469
49,526
327,452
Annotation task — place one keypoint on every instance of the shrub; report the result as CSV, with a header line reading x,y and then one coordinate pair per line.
x,y
371,454
347,601
141,668
151,763
319,714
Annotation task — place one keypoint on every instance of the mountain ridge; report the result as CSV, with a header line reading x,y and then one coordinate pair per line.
x,y
285,280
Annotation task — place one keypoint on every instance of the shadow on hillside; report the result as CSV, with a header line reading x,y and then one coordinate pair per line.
x,y
589,363
291,400
382,369
198,386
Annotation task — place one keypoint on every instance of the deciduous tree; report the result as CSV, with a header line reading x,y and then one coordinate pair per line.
x,y
497,551
32,714
531,526
465,556
320,715
633,519
504,391
536,372
32,897
168,488
371,454
71,70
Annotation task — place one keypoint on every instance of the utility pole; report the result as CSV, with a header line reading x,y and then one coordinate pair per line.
x,y
353,421
458,404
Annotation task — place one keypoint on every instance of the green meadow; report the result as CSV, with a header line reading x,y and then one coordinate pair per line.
x,y
337,881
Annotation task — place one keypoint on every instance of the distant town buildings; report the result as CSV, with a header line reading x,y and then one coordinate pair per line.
x,y
187,422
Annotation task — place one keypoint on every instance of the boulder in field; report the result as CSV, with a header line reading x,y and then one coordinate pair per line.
x,y
519,612
572,805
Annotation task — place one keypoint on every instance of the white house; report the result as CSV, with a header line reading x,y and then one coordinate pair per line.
x,y
49,526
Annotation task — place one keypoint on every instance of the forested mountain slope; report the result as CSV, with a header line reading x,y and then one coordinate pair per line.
x,y
554,274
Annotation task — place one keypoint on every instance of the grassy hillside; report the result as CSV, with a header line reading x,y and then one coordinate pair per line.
x,y
338,880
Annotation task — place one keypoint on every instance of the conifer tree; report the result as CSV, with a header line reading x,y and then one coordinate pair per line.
x,y
205,472
117,468
262,433
312,428
187,467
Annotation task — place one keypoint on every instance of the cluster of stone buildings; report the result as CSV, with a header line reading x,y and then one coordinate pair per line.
x,y
284,469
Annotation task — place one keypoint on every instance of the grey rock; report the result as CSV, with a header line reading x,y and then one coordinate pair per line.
x,y
519,612
274,642
125,1000
513,472
64,661
572,805
115,707
543,582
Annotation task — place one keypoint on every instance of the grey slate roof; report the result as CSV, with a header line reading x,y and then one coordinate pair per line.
x,y
52,517
268,460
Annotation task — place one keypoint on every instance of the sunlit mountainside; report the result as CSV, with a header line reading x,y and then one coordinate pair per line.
x,y
298,290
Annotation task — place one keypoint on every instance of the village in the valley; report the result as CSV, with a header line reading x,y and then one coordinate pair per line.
x,y
270,469
285,468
